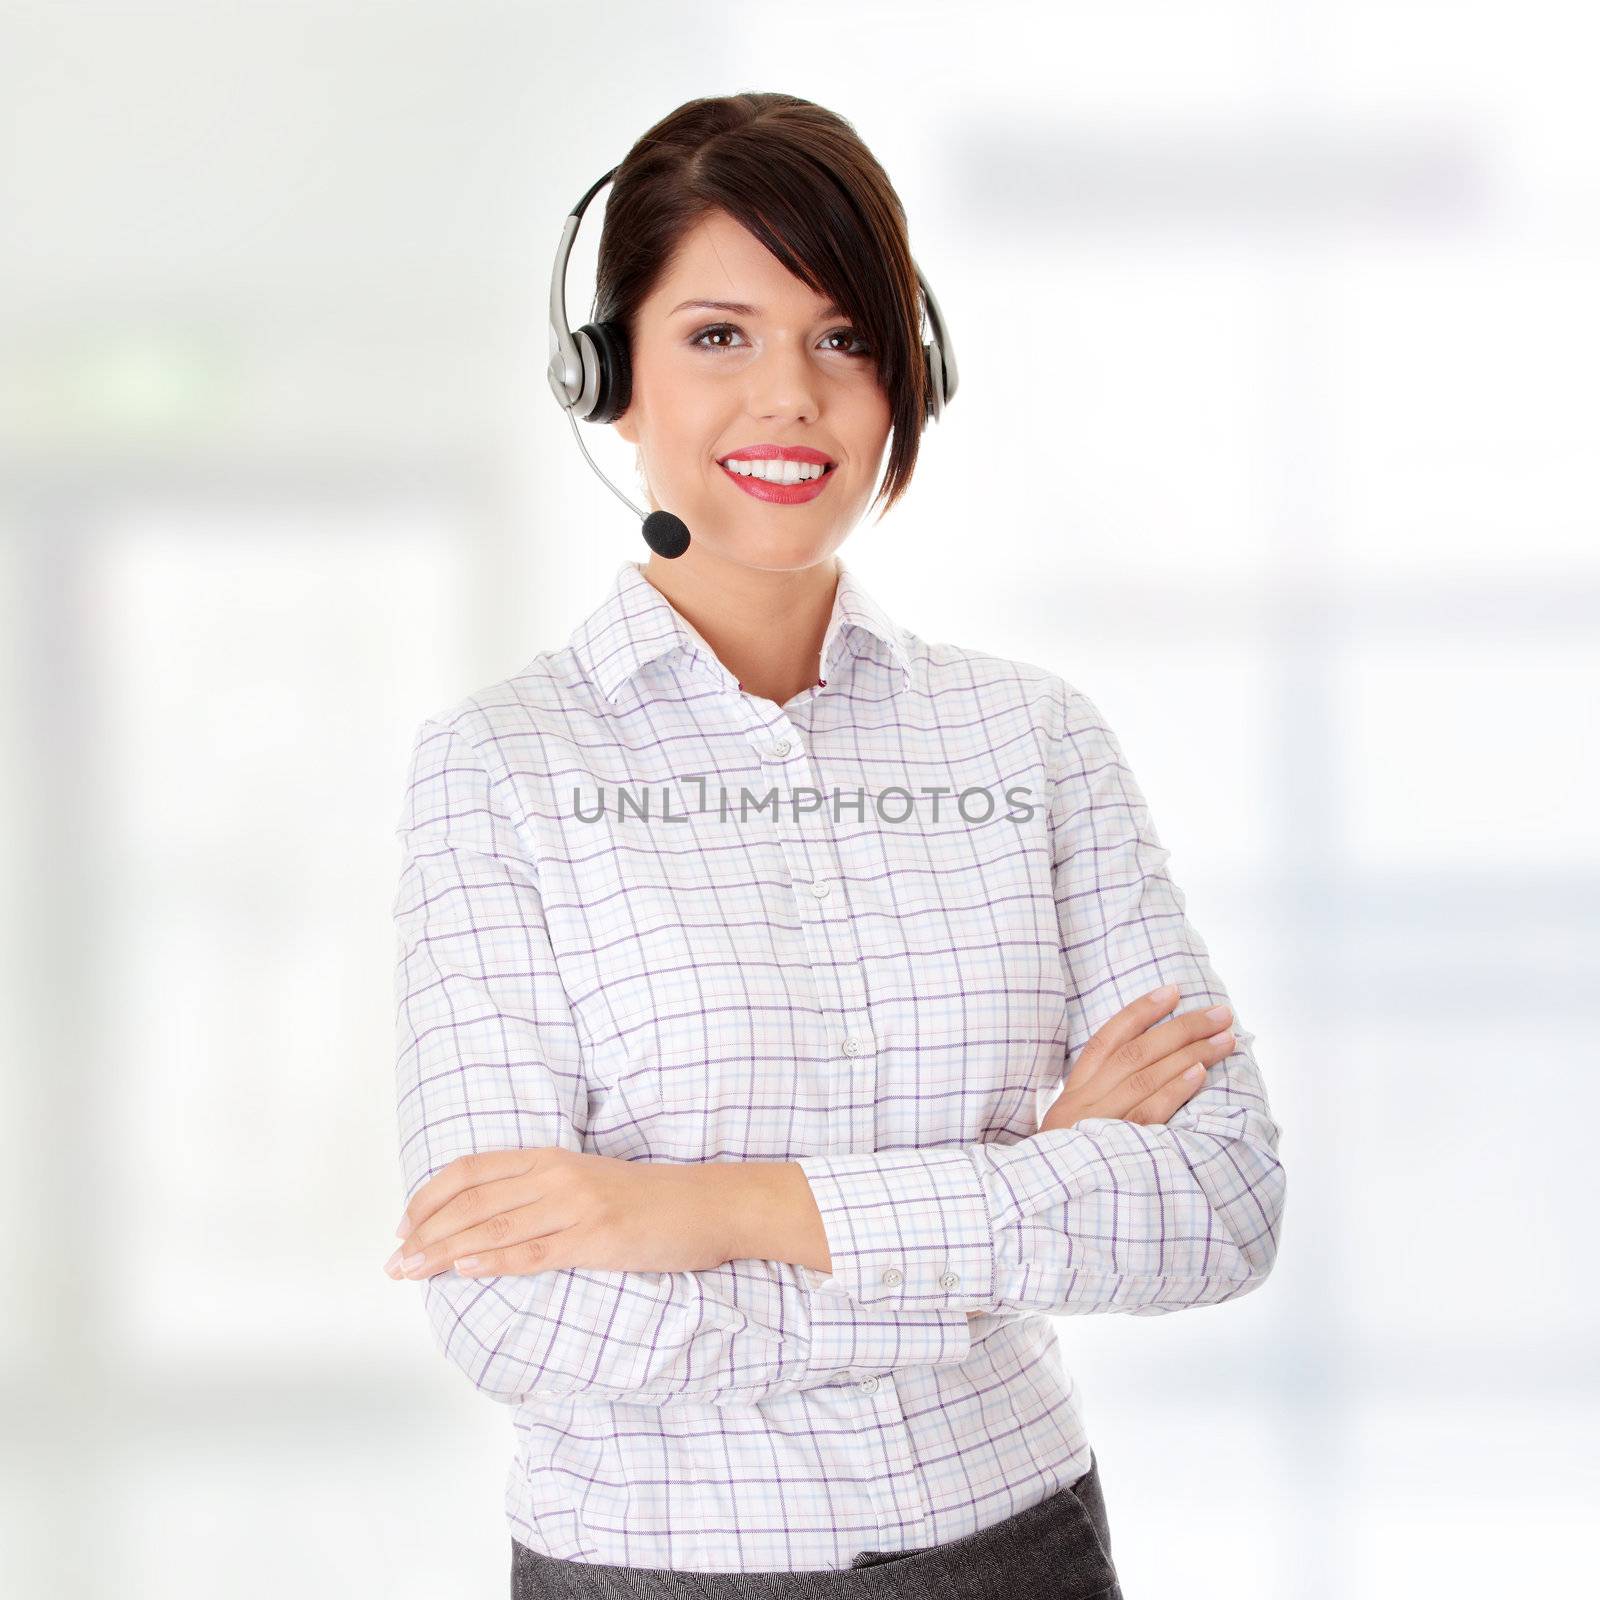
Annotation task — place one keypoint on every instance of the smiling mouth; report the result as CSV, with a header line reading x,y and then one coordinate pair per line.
x,y
778,491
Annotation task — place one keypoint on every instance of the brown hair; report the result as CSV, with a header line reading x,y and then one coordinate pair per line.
x,y
799,178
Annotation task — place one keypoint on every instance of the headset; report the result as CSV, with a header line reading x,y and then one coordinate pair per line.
x,y
591,378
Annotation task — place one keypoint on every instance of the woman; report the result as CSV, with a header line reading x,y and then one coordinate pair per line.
x,y
738,939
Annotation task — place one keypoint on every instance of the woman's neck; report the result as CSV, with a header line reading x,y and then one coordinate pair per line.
x,y
765,627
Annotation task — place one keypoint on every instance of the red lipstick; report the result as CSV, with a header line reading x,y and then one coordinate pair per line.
x,y
783,494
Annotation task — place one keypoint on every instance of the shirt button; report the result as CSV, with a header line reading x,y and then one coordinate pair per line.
x,y
894,1276
869,1385
948,1280
822,890
781,747
851,1047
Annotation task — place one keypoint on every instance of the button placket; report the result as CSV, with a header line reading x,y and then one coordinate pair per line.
x,y
810,846
899,1483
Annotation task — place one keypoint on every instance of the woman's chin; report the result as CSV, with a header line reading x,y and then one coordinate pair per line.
x,y
772,549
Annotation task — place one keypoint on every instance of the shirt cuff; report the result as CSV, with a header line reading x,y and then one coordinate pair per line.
x,y
851,1341
908,1229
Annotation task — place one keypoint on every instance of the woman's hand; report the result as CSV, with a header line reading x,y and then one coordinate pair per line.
x,y
1134,1070
527,1211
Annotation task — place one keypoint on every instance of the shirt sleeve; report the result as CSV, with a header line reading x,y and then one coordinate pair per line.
x,y
488,1058
1107,1215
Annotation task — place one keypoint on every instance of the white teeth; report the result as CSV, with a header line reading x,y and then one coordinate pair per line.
x,y
776,471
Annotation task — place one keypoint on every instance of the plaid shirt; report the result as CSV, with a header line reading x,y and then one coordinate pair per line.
x,y
644,913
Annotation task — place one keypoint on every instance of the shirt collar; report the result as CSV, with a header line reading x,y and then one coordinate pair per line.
x,y
636,624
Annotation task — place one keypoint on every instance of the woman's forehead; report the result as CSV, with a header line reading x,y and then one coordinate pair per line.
x,y
721,265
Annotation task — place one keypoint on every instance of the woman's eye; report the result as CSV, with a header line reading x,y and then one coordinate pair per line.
x,y
721,329
705,333
850,333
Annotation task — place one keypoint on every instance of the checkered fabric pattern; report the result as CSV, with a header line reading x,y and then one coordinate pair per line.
x,y
645,913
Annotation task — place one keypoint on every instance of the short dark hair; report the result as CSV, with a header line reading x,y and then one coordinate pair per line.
x,y
799,178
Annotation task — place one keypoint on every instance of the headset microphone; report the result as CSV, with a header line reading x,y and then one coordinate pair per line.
x,y
590,376
663,532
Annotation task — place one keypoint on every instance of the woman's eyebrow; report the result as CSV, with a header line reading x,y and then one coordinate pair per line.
x,y
739,309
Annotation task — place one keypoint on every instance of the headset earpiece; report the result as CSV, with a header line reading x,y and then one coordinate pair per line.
x,y
607,373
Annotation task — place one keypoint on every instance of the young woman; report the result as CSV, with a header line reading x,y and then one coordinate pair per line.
x,y
739,938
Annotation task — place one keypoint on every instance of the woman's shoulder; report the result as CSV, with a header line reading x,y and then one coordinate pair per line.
x,y
1065,716
541,698
950,667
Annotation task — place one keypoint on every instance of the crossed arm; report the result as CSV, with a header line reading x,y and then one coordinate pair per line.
x,y
844,1264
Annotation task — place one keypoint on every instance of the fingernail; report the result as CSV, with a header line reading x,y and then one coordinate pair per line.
x,y
404,1228
467,1264
1219,1013
393,1262
1225,1037
1166,992
413,1263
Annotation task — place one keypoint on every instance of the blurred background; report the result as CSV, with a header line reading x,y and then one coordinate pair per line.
x,y
1277,435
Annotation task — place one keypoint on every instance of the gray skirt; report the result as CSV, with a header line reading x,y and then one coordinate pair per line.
x,y
1059,1549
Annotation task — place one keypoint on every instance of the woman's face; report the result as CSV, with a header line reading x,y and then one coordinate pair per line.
x,y
787,371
